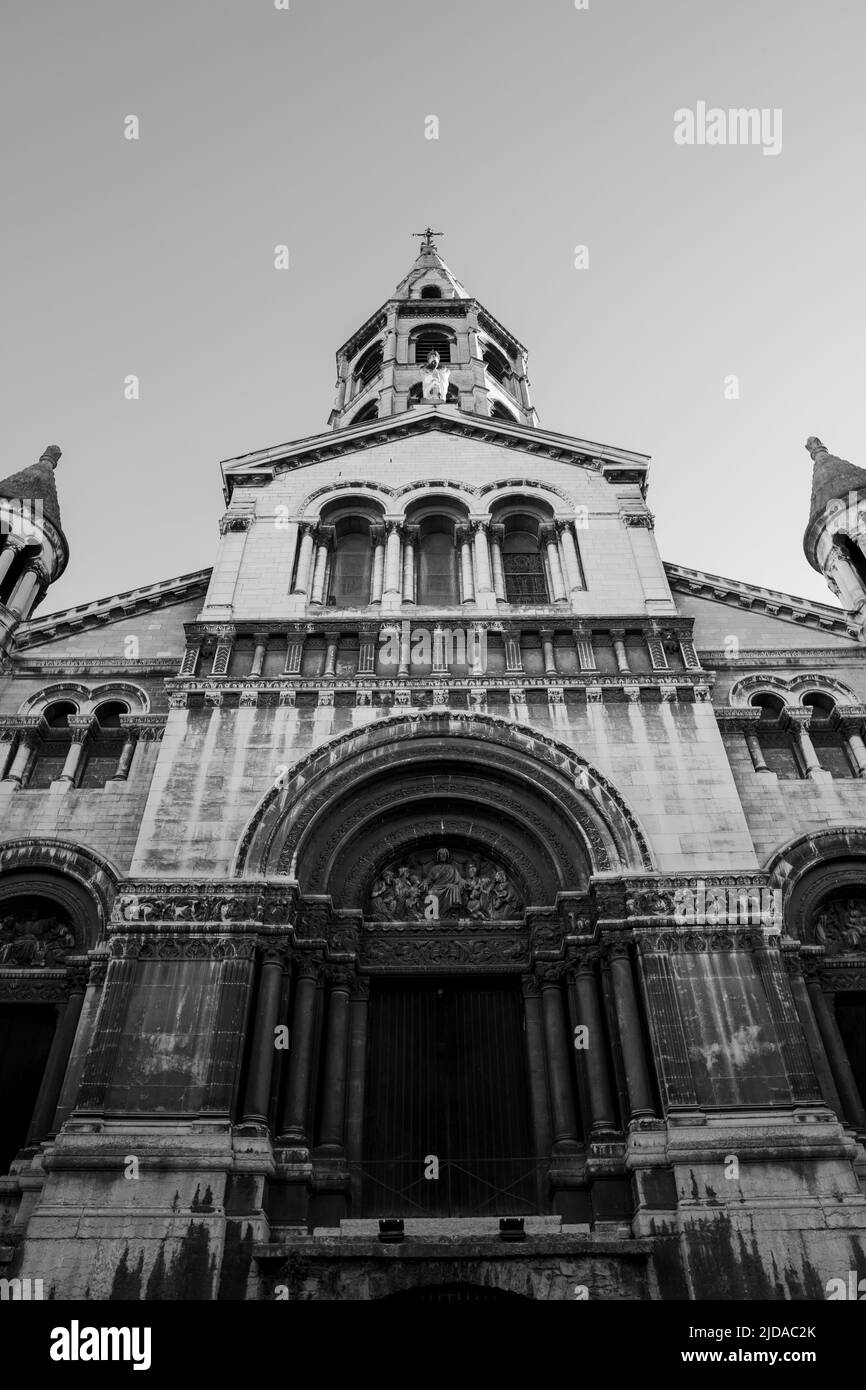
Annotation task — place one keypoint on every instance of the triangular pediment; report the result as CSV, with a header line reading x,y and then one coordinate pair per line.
x,y
259,468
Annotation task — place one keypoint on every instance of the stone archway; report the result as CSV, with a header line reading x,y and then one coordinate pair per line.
x,y
54,901
551,793
823,877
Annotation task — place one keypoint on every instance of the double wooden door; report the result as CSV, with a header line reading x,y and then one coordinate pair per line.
x,y
446,1116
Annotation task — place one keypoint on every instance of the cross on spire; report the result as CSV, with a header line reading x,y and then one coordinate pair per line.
x,y
428,235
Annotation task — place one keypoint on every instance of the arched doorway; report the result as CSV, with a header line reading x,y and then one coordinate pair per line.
x,y
36,936
442,861
824,881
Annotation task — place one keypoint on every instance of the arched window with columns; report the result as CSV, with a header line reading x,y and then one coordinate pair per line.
x,y
51,750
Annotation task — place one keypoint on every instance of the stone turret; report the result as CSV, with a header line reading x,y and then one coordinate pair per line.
x,y
34,551
386,367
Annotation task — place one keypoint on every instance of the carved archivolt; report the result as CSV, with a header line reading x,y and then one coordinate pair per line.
x,y
792,690
603,824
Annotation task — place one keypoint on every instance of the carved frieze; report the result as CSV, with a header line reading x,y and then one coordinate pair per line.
x,y
443,885
31,941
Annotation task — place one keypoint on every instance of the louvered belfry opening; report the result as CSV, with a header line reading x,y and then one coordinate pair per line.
x,y
446,1081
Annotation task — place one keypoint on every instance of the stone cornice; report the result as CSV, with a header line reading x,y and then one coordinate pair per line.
x,y
256,469
129,604
424,691
750,657
786,607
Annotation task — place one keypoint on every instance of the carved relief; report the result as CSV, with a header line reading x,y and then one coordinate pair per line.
x,y
840,925
443,886
28,941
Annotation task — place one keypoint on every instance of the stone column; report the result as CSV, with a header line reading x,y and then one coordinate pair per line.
x,y
258,1089
393,563
290,531
23,754
583,646
12,547
536,1066
333,642
846,1085
497,537
79,728
754,747
656,648
798,722
549,655
26,591
331,1132
467,583
557,583
410,537
440,666
68,1015
565,1127
847,721
305,557
631,1037
294,652
367,651
293,1121
812,1033
586,1012
261,648
323,547
127,753
223,652
95,976
570,559
403,669
513,655
617,635
7,743
359,1008
483,577
189,665
377,536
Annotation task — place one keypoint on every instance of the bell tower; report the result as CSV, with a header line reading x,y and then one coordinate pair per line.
x,y
835,539
33,548
431,344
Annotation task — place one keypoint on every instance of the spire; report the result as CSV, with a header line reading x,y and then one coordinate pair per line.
x,y
36,483
432,344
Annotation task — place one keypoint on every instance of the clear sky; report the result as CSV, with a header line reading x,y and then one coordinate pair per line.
x,y
306,127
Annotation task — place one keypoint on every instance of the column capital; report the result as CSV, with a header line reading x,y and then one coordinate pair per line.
x,y
848,719
80,726
308,526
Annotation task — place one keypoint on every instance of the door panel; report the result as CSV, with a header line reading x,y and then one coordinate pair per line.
x,y
447,1078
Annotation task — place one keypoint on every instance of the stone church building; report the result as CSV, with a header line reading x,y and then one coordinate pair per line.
x,y
441,897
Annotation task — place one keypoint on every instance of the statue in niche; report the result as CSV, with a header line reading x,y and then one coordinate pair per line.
x,y
434,382
841,925
444,885
29,941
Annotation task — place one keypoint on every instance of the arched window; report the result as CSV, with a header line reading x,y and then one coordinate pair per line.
x,y
52,749
431,292
437,563
852,553
432,340
496,364
353,562
104,746
830,744
368,366
369,412
500,412
775,742
523,563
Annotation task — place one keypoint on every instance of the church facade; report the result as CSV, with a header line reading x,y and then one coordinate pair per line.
x,y
441,896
